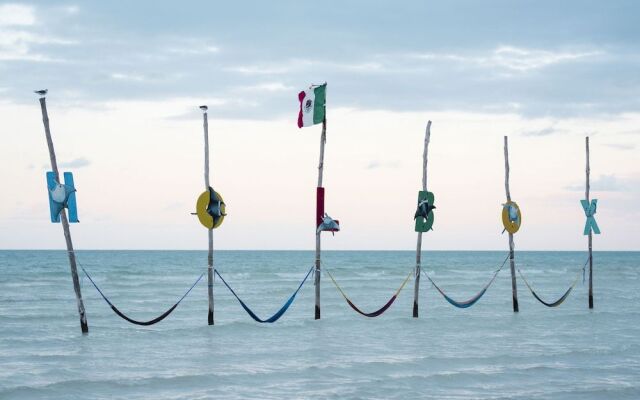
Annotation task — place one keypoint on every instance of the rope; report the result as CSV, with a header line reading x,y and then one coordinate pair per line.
x,y
563,297
468,303
278,313
378,312
133,321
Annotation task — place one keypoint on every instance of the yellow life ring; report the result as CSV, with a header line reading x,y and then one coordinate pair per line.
x,y
202,209
511,224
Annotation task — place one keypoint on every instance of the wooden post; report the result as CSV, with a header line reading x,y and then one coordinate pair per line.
x,y
514,286
416,289
205,124
588,171
65,223
323,140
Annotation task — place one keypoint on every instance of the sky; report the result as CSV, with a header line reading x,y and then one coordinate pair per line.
x,y
125,81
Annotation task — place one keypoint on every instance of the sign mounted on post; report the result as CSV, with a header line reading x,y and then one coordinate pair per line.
x,y
324,223
62,196
511,216
589,212
210,209
424,213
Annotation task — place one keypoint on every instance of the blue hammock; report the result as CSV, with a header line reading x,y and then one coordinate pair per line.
x,y
275,316
474,299
134,321
466,303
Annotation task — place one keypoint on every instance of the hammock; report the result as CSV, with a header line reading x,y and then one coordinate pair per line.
x,y
562,298
133,321
474,299
278,313
378,312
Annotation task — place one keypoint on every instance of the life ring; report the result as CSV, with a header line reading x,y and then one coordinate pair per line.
x,y
210,209
510,221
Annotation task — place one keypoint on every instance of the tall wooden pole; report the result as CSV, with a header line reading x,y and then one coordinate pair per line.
x,y
416,289
205,124
588,171
65,223
514,286
323,140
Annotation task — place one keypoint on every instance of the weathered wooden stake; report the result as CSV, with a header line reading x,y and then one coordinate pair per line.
x,y
588,171
514,286
323,140
416,289
205,124
65,223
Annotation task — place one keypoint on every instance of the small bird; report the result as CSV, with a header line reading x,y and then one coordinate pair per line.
x,y
204,108
42,92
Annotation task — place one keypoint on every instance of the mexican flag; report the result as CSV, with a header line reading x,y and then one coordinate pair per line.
x,y
312,105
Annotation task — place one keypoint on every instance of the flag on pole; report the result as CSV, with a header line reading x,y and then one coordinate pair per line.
x,y
312,105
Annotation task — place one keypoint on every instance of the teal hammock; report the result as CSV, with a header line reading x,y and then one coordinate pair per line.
x,y
468,303
134,321
563,297
278,313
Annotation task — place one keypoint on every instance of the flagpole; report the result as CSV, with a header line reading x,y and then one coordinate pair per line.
x,y
205,125
323,140
416,291
84,326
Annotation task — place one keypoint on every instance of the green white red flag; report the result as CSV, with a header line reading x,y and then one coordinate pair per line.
x,y
312,105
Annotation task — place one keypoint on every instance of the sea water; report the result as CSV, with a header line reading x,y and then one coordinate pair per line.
x,y
483,352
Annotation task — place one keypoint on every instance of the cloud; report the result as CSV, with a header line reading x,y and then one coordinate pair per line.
x,y
71,10
17,15
520,59
175,206
76,163
550,130
621,146
19,35
511,58
193,47
603,183
267,87
118,76
271,68
485,73
362,67
376,164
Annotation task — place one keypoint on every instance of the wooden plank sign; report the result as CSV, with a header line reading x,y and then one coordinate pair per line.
x,y
424,214
324,223
62,196
589,212
319,205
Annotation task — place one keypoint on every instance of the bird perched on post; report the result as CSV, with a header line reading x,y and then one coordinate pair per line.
x,y
204,108
42,92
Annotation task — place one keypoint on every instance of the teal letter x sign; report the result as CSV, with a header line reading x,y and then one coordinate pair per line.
x,y
589,212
